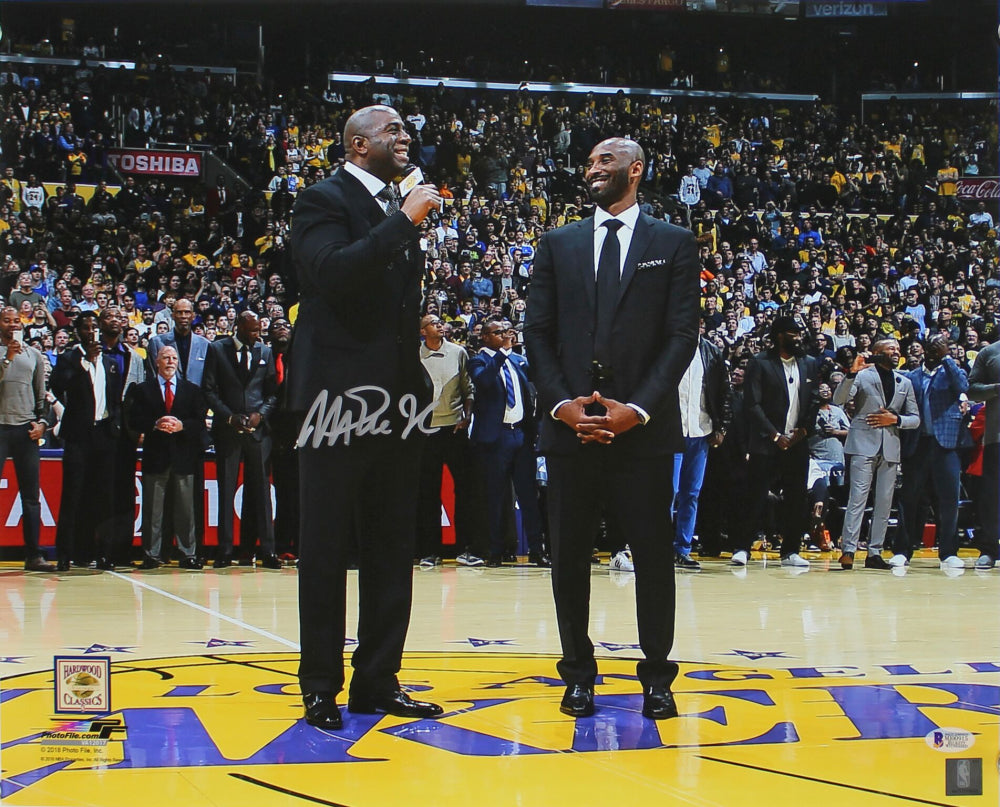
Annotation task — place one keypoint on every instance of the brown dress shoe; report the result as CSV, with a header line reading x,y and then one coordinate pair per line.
x,y
847,560
38,564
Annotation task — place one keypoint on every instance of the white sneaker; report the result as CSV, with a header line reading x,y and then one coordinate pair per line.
x,y
984,562
795,560
430,562
952,571
899,571
739,558
622,561
898,561
953,562
468,559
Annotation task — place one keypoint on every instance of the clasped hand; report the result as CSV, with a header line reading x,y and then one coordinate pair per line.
x,y
617,419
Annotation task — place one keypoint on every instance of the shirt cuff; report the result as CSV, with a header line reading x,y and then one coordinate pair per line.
x,y
555,408
642,413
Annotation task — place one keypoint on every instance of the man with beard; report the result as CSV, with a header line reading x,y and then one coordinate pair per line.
x,y
356,246
611,417
881,402
781,403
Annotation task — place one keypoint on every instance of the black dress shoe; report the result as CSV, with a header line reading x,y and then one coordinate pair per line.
x,y
150,563
62,566
686,562
494,562
248,561
396,703
38,564
578,700
271,562
322,711
876,562
509,557
106,565
540,559
191,563
223,562
658,703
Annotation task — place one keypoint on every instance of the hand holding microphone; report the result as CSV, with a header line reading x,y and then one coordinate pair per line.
x,y
418,199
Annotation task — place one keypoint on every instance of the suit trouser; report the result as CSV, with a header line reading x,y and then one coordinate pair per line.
x,y
862,471
988,537
943,468
256,493
124,499
451,448
722,503
155,500
511,458
23,451
86,504
636,492
363,494
285,472
689,473
787,471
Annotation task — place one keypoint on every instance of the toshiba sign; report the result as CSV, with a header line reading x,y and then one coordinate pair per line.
x,y
157,163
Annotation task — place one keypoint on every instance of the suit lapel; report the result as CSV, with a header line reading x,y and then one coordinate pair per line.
x,y
641,239
585,261
363,200
778,371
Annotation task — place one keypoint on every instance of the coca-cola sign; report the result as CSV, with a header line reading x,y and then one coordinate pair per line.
x,y
979,188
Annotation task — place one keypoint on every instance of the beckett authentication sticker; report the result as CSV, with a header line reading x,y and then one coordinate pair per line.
x,y
82,685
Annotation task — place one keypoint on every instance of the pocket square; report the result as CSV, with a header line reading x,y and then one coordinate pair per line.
x,y
641,267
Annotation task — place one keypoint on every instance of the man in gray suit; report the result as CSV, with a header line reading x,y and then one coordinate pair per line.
x,y
984,385
192,349
882,402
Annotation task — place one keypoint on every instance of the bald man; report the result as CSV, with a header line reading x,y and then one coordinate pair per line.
x,y
356,380
612,324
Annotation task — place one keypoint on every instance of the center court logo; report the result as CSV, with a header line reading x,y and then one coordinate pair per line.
x,y
231,726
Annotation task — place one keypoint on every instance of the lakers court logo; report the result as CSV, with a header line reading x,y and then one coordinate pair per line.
x,y
227,730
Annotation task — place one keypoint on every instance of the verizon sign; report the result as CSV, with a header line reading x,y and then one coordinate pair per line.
x,y
979,188
183,164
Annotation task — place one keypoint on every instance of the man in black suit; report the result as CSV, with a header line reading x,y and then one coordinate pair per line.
x,y
503,435
356,376
781,399
89,386
169,412
608,357
241,387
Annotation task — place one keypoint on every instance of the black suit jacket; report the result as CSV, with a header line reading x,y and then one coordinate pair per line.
x,y
181,451
72,386
359,275
652,341
230,392
766,399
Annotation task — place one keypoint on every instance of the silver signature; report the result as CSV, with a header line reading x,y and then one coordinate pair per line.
x,y
358,412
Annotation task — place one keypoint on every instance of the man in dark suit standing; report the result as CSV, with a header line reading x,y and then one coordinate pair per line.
x,y
781,398
930,453
355,375
503,434
89,386
169,412
608,357
241,387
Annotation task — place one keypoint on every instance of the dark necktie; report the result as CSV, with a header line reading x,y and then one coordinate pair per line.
x,y
608,282
245,361
508,381
388,195
168,395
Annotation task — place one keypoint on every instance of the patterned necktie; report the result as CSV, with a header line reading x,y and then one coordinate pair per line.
x,y
168,395
388,195
608,283
508,380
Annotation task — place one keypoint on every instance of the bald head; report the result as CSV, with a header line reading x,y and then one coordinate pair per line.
x,y
613,172
376,140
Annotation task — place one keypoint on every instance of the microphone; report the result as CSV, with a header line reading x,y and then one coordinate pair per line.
x,y
411,177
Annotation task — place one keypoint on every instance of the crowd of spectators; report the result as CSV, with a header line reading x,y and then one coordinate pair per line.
x,y
850,225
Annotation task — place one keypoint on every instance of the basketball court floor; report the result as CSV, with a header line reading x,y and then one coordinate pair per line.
x,y
824,688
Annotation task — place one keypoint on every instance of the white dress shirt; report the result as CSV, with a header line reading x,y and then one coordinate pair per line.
x,y
791,368
515,413
372,183
99,382
628,218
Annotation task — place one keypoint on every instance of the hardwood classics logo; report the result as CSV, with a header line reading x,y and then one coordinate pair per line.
x,y
228,730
